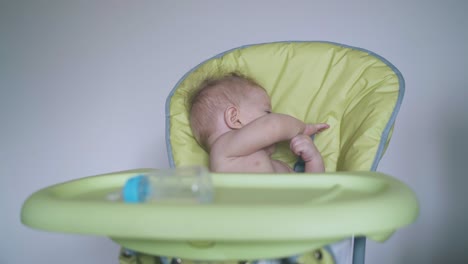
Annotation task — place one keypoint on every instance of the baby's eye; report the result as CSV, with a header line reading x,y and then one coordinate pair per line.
x,y
268,112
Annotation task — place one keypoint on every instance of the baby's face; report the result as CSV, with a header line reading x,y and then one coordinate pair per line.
x,y
256,104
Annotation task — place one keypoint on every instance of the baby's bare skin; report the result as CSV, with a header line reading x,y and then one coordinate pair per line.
x,y
247,150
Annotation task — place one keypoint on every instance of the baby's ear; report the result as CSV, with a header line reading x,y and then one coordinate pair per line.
x,y
231,117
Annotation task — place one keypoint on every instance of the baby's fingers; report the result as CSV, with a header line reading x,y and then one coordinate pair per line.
x,y
300,143
295,144
315,128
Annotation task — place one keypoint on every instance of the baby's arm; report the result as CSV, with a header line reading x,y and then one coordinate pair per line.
x,y
303,146
260,133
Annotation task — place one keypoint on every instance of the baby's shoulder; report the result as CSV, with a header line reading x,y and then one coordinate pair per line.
x,y
222,142
219,143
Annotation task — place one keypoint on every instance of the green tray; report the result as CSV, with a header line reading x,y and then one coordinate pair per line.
x,y
253,216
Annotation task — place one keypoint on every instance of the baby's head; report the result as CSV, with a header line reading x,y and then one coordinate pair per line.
x,y
228,102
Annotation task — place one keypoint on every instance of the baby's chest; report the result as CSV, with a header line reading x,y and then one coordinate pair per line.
x,y
256,162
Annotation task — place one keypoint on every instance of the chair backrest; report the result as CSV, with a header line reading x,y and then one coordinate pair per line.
x,y
355,91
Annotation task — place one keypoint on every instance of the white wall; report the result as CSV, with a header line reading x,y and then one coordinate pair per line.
x,y
83,86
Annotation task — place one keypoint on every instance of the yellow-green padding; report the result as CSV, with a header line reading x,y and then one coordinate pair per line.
x,y
353,91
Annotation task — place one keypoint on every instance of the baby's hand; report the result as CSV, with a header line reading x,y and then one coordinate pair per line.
x,y
303,146
312,129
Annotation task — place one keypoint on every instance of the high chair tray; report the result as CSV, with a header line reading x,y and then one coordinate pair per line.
x,y
253,215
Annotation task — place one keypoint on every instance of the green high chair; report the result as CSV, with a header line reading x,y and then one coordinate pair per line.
x,y
261,218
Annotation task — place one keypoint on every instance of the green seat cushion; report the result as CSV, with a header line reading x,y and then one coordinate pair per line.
x,y
355,91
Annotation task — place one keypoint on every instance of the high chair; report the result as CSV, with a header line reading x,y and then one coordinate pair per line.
x,y
262,218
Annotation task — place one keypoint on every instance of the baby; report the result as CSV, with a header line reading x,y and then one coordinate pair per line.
x,y
231,118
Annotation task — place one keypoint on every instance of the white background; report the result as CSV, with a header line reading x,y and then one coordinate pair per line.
x,y
83,87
